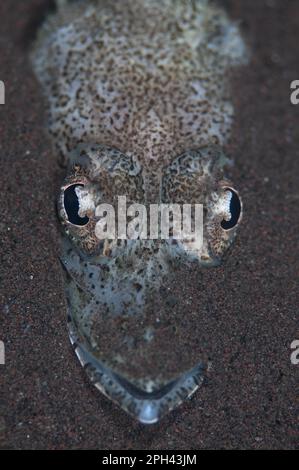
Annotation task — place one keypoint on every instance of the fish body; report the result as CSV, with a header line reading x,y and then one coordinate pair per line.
x,y
139,105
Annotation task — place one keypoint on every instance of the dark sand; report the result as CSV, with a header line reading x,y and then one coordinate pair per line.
x,y
249,399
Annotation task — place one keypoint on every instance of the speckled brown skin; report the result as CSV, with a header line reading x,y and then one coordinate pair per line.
x,y
146,77
139,106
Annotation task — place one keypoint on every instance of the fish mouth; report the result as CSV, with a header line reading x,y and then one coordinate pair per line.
x,y
146,407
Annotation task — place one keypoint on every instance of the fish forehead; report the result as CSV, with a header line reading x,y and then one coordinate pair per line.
x,y
145,77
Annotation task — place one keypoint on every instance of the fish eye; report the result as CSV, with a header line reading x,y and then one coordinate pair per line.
x,y
71,205
234,209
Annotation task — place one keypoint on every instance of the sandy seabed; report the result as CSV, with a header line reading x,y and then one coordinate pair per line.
x,y
250,398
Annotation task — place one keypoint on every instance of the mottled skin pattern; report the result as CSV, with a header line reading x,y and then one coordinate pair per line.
x,y
139,105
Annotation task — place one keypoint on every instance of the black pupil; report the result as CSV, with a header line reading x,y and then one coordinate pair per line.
x,y
71,205
235,211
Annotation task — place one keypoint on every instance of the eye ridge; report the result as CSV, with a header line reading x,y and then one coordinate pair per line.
x,y
71,205
235,211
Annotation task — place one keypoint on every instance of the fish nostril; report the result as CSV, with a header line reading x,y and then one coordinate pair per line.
x,y
71,205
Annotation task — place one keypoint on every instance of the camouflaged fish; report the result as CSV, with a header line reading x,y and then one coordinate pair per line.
x,y
139,106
